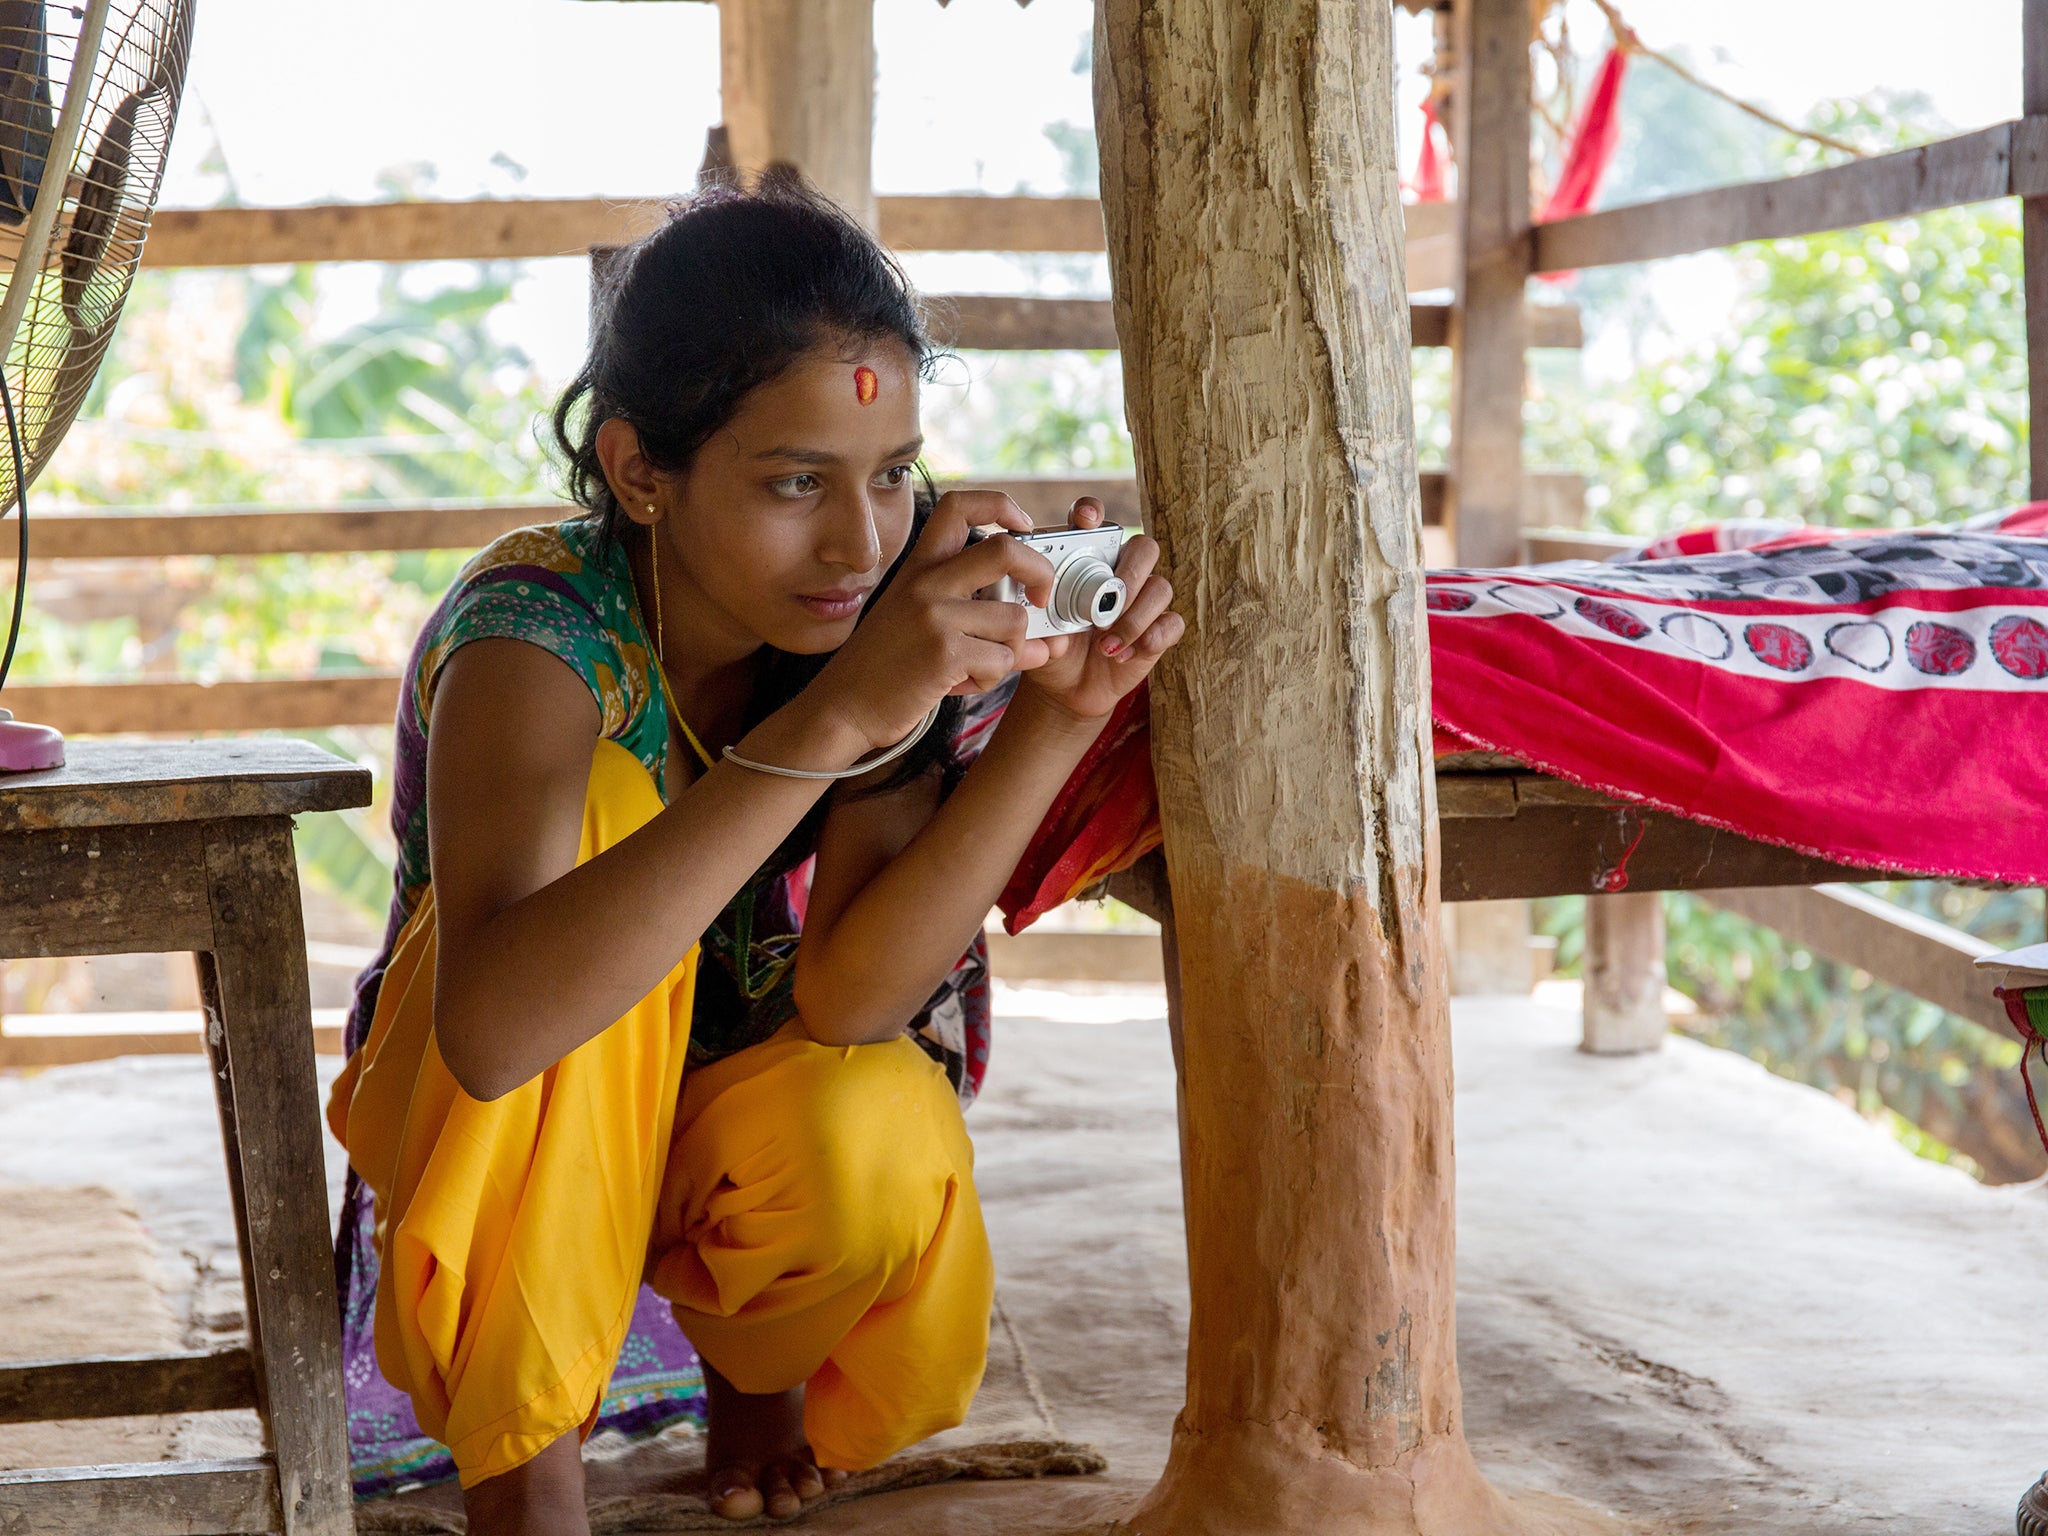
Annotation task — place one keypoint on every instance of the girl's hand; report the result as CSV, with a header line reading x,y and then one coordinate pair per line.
x,y
928,636
1087,673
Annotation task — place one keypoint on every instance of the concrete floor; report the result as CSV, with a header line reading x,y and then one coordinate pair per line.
x,y
1690,1293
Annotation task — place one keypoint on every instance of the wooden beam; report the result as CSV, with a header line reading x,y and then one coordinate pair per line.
x,y
1015,323
1551,498
1993,162
797,87
1496,846
1546,544
1106,956
114,890
989,322
120,1386
519,229
1550,325
176,708
507,230
1899,948
147,534
2034,246
1250,193
1489,330
150,1498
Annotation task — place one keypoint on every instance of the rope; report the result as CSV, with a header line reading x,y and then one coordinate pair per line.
x,y
1626,36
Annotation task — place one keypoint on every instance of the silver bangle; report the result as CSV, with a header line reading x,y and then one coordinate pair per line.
x,y
868,765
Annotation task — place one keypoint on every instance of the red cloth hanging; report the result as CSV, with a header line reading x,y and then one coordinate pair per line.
x,y
1428,184
1594,140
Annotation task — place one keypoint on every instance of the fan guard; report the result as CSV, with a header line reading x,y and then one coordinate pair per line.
x,y
88,97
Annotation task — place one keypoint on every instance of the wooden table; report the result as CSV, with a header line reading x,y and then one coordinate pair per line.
x,y
158,847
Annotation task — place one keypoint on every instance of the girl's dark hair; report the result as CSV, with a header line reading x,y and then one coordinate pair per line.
x,y
688,321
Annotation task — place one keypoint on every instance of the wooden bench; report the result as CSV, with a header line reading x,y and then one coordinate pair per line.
x,y
160,847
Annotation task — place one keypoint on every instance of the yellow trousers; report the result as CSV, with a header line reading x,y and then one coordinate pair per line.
x,y
809,1212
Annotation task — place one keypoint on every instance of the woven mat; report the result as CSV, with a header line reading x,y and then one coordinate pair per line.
x,y
78,1276
657,1485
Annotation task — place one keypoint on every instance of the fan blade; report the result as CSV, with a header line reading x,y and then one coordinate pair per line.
x,y
26,118
97,215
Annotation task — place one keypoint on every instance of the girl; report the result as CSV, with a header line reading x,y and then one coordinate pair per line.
x,y
599,1049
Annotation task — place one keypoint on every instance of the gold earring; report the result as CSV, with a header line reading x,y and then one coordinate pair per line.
x,y
654,557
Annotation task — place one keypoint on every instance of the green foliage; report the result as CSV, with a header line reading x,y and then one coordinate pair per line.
x,y
1877,377
227,390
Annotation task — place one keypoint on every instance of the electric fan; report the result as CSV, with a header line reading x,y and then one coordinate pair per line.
x,y
88,96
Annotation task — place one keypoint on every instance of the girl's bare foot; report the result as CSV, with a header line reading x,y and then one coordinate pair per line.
x,y
756,1453
542,1498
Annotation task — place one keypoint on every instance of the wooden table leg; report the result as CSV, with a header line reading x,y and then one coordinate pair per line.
x,y
260,1039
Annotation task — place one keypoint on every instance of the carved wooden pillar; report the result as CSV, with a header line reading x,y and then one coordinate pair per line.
x,y
1255,244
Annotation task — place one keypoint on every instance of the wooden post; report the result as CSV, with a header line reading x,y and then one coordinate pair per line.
x,y
1489,333
1624,969
1489,340
1490,952
798,82
2034,237
1255,248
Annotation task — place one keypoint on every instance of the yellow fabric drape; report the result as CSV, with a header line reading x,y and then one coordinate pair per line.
x,y
808,1210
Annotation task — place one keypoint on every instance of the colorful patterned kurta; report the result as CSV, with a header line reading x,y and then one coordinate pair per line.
x,y
567,591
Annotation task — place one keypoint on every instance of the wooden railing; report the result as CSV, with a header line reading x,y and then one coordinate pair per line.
x,y
1442,252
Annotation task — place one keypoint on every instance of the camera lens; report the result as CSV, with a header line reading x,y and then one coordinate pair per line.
x,y
1087,592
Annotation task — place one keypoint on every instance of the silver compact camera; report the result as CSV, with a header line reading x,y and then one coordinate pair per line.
x,y
1086,591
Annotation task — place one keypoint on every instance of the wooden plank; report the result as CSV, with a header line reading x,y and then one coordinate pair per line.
x,y
990,322
481,230
1550,325
1573,850
151,1498
152,534
1550,498
117,1386
526,228
110,890
1902,949
1489,326
1546,544
148,534
1122,957
36,1049
114,783
998,322
1969,169
285,704
2034,244
977,223
259,1011
70,1050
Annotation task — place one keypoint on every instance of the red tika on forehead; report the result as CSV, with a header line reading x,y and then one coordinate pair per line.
x,y
865,385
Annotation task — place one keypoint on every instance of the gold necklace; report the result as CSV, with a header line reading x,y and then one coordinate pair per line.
x,y
668,688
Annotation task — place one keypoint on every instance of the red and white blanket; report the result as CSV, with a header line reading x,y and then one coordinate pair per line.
x,y
1868,697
